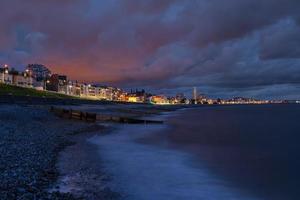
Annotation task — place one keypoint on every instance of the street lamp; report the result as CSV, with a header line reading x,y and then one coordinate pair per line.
x,y
45,84
5,77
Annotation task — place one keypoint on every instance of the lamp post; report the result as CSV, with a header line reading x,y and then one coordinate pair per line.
x,y
5,74
45,84
29,79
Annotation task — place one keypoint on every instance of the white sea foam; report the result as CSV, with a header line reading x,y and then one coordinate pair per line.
x,y
148,172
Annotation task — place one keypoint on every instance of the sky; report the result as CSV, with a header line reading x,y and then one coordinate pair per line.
x,y
225,48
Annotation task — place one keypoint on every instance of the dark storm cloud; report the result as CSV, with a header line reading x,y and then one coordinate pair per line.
x,y
281,41
220,46
224,20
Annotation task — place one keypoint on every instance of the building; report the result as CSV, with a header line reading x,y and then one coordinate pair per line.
x,y
159,99
5,76
96,92
91,91
179,99
13,77
135,99
119,94
22,79
104,93
137,96
73,88
57,83
87,90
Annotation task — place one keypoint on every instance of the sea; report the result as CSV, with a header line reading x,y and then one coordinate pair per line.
x,y
207,152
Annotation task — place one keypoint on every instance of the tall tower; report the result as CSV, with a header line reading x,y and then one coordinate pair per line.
x,y
195,95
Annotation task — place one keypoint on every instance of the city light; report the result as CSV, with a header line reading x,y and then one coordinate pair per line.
x,y
38,76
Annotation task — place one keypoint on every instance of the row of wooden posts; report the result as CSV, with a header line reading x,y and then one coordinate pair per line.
x,y
74,114
93,117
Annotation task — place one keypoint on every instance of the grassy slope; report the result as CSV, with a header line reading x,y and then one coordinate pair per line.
x,y
19,91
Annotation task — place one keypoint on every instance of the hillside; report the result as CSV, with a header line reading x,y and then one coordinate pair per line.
x,y
19,91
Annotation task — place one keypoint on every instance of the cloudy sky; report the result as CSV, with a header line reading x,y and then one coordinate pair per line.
x,y
224,47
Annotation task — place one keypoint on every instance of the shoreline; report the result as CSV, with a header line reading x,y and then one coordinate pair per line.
x,y
136,153
33,142
47,157
80,169
141,150
81,165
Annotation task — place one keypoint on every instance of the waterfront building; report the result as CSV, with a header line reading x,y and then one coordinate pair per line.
x,y
22,79
91,91
102,92
202,99
173,100
83,90
13,77
135,99
39,77
5,76
159,99
212,101
137,96
57,83
122,96
108,91
179,98
118,94
73,88
97,92
88,90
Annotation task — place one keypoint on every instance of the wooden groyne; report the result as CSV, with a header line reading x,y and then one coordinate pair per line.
x,y
93,117
126,120
74,114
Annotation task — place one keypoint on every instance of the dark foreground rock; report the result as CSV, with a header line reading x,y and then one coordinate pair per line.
x,y
30,140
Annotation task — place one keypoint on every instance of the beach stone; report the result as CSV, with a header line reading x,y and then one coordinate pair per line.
x,y
30,140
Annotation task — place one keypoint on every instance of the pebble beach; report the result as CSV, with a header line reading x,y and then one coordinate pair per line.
x,y
30,142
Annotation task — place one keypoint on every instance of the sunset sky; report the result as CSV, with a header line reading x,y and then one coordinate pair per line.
x,y
224,47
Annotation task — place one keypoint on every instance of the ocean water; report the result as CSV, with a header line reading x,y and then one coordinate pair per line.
x,y
217,152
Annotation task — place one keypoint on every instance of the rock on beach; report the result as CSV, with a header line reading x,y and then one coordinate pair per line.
x,y
30,140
